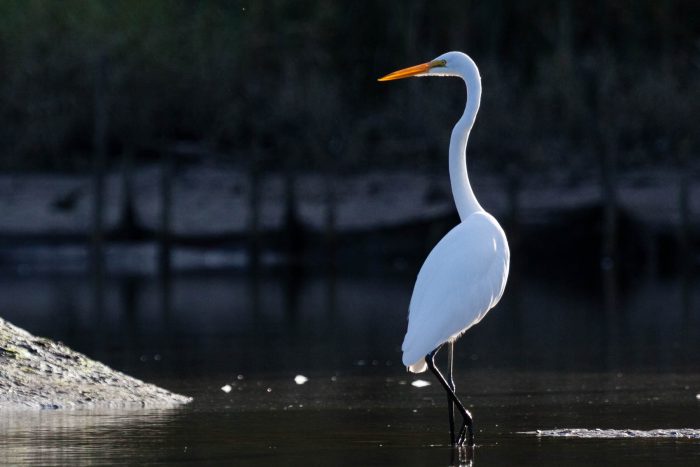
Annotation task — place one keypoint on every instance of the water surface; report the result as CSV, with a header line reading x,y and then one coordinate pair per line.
x,y
552,355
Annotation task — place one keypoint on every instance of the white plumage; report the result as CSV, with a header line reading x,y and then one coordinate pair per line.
x,y
461,280
465,274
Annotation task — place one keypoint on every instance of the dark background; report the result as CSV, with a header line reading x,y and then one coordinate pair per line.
x,y
296,80
585,148
582,91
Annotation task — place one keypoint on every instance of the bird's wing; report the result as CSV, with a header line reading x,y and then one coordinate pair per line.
x,y
460,281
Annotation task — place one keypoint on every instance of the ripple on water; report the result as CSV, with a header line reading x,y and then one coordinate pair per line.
x,y
688,433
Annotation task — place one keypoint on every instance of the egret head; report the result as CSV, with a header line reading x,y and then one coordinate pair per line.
x,y
447,64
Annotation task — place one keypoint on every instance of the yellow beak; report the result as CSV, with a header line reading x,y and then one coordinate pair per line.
x,y
407,72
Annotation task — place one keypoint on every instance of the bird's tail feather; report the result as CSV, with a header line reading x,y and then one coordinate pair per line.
x,y
419,367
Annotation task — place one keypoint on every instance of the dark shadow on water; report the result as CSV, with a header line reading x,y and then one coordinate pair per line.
x,y
293,285
312,323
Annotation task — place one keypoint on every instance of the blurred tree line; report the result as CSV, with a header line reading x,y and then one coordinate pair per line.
x,y
294,82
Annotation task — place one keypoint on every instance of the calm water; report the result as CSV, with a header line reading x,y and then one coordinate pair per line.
x,y
554,354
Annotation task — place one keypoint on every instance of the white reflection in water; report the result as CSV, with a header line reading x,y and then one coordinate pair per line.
x,y
78,437
420,383
300,379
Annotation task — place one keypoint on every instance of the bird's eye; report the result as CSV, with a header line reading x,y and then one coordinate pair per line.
x,y
440,63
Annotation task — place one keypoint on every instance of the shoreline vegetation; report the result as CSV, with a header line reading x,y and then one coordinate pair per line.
x,y
586,135
214,208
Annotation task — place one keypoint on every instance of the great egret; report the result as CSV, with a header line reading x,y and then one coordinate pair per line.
x,y
464,276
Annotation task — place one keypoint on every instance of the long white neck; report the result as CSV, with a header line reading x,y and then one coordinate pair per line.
x,y
461,188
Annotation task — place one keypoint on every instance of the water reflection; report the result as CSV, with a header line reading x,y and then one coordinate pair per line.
x,y
462,456
81,437
206,323
368,417
555,348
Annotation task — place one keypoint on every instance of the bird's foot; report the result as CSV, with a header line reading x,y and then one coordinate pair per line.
x,y
466,435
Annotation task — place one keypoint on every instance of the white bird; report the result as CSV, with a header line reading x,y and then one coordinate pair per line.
x,y
464,276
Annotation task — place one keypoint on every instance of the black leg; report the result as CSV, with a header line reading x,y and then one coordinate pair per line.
x,y
466,433
451,383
